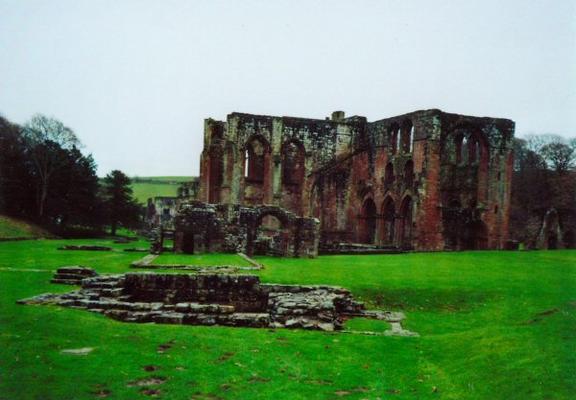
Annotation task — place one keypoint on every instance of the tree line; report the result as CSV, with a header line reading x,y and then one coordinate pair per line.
x,y
544,178
46,179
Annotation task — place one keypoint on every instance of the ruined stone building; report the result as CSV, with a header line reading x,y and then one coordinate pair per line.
x,y
161,210
426,180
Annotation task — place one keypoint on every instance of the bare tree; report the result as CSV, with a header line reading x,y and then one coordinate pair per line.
x,y
558,152
559,156
45,136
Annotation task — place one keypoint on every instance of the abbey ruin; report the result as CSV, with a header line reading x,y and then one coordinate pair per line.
x,y
426,180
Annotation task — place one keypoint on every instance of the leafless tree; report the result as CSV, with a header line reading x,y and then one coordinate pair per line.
x,y
558,152
45,136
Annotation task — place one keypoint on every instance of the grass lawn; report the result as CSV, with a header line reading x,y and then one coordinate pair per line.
x,y
493,325
11,228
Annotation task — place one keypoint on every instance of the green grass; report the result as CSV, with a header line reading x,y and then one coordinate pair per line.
x,y
155,186
493,325
11,228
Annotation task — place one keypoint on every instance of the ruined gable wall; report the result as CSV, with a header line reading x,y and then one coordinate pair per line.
x,y
480,184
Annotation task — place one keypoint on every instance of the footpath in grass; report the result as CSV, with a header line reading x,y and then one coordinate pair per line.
x,y
493,325
201,259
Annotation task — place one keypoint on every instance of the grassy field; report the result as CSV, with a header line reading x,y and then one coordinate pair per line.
x,y
146,187
493,325
11,228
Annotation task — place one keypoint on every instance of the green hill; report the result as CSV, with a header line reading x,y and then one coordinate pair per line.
x,y
154,186
11,228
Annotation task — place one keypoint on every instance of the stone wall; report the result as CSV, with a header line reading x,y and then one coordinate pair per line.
x,y
203,227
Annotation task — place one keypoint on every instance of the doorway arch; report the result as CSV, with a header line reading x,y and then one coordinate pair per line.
x,y
368,222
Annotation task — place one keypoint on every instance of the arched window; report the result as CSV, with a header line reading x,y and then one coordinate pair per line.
x,y
464,151
473,150
254,163
389,218
389,174
394,134
292,163
409,173
406,137
458,142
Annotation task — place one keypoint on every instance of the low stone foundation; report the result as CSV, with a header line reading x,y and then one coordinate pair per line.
x,y
215,299
73,275
91,248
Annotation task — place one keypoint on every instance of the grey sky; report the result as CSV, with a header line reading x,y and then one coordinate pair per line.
x,y
135,79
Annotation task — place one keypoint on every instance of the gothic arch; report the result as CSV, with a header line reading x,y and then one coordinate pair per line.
x,y
367,221
388,220
406,138
256,159
405,222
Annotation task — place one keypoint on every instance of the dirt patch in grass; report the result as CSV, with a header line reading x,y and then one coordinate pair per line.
x,y
225,387
151,392
225,357
162,348
205,396
149,381
258,379
541,315
326,382
101,392
150,368
342,393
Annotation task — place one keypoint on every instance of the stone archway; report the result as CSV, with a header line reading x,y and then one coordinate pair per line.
x,y
475,236
271,231
405,223
368,222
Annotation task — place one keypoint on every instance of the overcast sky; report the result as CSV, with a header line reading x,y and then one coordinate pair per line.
x,y
135,79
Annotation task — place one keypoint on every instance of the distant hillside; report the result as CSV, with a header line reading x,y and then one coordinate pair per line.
x,y
11,228
154,186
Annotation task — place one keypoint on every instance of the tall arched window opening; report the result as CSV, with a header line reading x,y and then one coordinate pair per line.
x,y
473,150
458,143
254,164
406,137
